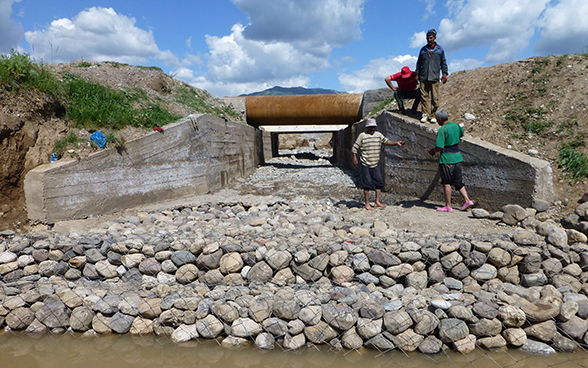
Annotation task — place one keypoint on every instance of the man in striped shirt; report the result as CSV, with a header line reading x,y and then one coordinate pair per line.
x,y
369,145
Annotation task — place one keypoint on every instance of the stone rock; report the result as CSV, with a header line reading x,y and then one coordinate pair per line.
x,y
141,326
540,311
575,327
493,342
485,273
278,327
563,344
184,333
341,274
233,342
544,331
81,319
536,347
430,345
486,327
265,341
20,318
209,327
452,330
351,340
462,312
340,316
465,345
311,315
397,321
408,340
558,237
294,342
513,213
380,342
511,316
187,273
368,328
286,309
515,336
245,327
53,314
426,322
319,333
260,272
231,263
121,323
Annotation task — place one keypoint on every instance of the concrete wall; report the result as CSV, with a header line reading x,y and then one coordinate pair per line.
x,y
493,176
197,155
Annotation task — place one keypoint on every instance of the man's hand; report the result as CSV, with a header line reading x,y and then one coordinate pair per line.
x,y
444,78
355,160
400,143
432,152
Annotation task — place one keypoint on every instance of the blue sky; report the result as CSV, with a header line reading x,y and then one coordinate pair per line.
x,y
231,47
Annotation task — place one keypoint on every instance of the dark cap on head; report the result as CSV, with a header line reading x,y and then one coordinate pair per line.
x,y
432,32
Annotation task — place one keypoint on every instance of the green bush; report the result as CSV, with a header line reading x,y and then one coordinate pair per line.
x,y
63,144
18,71
573,163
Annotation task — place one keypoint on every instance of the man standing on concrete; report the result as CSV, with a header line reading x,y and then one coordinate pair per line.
x,y
407,82
430,64
369,145
448,138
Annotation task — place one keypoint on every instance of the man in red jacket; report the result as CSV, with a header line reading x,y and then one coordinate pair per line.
x,y
407,82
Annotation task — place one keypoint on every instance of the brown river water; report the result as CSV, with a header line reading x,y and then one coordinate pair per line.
x,y
19,350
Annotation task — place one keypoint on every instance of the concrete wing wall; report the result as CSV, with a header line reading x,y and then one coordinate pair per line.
x,y
199,154
493,176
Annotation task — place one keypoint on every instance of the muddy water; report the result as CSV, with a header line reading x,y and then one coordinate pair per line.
x,y
118,351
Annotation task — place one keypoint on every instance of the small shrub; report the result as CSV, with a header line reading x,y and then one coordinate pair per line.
x,y
573,163
537,126
84,64
63,144
18,71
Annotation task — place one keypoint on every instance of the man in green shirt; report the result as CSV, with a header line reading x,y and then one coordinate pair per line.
x,y
448,138
369,145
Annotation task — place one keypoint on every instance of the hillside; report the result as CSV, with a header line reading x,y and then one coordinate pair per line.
x,y
279,91
535,106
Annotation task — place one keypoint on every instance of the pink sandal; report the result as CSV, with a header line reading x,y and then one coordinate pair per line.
x,y
445,209
466,205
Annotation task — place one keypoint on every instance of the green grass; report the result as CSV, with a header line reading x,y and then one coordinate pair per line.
x,y
18,71
529,118
192,98
382,105
93,106
63,144
573,163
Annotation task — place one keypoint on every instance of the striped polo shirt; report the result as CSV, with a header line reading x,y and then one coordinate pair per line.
x,y
369,146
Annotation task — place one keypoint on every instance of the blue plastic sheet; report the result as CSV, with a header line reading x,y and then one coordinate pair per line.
x,y
99,139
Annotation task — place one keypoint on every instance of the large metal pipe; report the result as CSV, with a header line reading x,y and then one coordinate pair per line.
x,y
304,109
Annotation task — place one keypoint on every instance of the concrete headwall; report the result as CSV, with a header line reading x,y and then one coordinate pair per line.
x,y
493,176
197,155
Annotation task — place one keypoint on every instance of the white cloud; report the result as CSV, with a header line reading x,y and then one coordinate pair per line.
x,y
285,41
458,65
10,32
418,40
429,10
565,27
309,25
506,25
237,64
97,34
372,76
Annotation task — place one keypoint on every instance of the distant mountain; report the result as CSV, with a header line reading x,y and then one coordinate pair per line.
x,y
277,91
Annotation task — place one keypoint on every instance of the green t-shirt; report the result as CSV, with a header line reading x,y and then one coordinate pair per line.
x,y
449,135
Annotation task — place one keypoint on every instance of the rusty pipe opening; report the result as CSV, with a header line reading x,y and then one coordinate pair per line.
x,y
304,109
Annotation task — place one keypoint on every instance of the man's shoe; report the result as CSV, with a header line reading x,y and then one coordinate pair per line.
x,y
445,209
433,121
424,119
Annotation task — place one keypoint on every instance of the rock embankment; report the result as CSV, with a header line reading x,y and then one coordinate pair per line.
x,y
288,274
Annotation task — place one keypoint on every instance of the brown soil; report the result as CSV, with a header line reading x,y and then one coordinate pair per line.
x,y
31,123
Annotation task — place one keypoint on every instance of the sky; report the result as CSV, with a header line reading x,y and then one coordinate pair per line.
x,y
234,47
